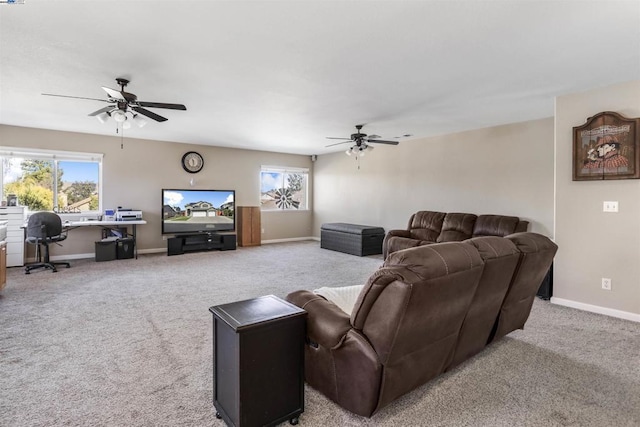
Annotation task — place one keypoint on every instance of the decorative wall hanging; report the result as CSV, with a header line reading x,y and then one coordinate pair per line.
x,y
606,147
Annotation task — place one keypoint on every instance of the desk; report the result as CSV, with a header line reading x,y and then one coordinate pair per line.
x,y
70,225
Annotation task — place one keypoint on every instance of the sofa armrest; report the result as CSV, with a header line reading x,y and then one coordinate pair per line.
x,y
389,235
399,233
327,324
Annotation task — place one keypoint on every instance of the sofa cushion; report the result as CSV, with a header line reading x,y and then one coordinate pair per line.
x,y
500,258
426,225
411,311
419,271
457,227
537,252
495,225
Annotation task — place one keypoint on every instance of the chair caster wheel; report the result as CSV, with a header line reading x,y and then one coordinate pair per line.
x,y
294,421
218,416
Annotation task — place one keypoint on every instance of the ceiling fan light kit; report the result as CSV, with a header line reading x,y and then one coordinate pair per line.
x,y
119,116
102,117
359,150
139,121
362,142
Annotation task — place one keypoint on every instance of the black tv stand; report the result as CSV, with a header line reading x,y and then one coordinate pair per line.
x,y
200,242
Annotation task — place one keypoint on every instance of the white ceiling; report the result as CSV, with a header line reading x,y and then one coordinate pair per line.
x,y
283,75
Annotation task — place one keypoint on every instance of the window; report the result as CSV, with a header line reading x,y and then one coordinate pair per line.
x,y
59,181
283,188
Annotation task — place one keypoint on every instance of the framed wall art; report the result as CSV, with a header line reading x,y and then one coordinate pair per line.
x,y
606,147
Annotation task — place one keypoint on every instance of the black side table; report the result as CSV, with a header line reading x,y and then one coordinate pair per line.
x,y
258,361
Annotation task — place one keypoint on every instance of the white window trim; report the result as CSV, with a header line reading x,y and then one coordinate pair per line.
x,y
38,153
44,154
285,169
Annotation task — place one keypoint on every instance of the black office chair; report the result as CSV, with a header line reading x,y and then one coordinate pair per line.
x,y
44,228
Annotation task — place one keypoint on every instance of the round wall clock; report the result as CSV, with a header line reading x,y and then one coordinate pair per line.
x,y
192,162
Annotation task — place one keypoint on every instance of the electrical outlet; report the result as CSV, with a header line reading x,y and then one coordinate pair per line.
x,y
606,284
263,231
611,206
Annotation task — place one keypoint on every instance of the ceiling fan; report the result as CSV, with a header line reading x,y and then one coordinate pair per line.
x,y
361,142
124,102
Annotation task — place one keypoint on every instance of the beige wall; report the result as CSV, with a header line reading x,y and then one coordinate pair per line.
x,y
500,170
503,170
134,176
594,244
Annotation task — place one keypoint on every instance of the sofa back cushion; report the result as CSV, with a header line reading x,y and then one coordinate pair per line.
x,y
537,252
411,311
495,225
457,227
426,225
500,258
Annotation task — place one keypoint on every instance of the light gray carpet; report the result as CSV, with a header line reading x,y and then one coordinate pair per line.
x,y
128,343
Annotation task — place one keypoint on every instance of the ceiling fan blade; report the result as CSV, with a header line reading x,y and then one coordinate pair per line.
x,y
75,97
382,141
338,143
129,96
334,137
374,136
115,94
162,105
149,114
103,110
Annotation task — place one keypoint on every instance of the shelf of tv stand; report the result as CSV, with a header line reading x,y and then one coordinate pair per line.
x,y
182,243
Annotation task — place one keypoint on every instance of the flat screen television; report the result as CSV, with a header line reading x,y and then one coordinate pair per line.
x,y
187,211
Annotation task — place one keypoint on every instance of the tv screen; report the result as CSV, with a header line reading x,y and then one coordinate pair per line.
x,y
197,211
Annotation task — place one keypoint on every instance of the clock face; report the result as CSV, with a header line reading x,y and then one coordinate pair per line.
x,y
192,162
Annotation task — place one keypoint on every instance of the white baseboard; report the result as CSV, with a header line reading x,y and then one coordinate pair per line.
x,y
162,250
292,239
597,309
152,251
93,255
67,257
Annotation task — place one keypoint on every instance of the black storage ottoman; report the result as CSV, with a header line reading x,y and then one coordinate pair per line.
x,y
352,239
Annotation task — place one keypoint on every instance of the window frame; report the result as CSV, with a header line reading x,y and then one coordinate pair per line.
x,y
55,156
285,170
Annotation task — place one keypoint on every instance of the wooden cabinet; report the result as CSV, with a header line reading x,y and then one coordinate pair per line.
x,y
15,215
258,361
3,264
249,226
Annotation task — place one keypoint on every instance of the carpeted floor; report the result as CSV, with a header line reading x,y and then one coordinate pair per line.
x,y
128,343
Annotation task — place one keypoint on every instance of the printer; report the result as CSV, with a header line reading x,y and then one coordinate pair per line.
x,y
128,215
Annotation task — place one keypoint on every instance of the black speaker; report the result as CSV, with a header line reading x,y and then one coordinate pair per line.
x,y
546,288
228,242
174,246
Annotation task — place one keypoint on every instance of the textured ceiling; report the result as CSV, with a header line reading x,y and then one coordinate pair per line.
x,y
283,75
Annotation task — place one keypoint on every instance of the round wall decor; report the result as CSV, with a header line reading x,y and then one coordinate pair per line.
x,y
192,162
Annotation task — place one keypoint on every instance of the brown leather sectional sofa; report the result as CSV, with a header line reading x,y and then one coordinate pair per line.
x,y
426,310
428,227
